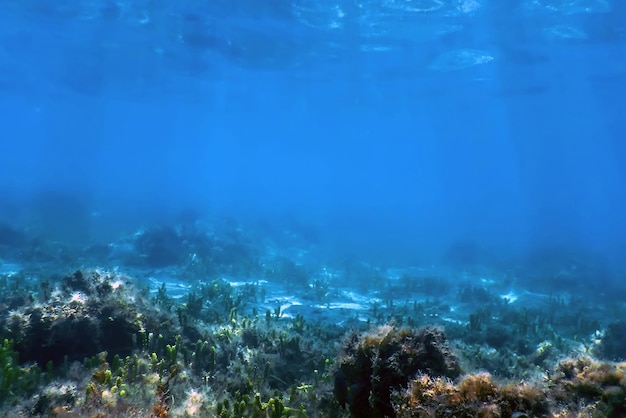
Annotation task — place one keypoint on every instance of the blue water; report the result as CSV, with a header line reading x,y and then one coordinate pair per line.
x,y
394,128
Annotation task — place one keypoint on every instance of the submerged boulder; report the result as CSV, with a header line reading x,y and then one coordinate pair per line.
x,y
374,364
90,312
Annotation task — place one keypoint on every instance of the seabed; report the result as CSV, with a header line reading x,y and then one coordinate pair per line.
x,y
174,322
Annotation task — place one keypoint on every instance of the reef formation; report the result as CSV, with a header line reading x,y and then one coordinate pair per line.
x,y
105,342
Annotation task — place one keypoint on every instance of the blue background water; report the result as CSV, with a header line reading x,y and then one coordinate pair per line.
x,y
394,126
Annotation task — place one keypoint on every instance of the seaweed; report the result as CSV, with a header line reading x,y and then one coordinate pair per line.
x,y
374,364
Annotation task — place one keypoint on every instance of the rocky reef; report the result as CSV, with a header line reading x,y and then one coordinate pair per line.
x,y
97,342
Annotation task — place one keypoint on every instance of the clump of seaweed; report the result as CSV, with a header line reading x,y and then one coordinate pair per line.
x,y
577,387
601,386
475,395
90,312
16,380
375,363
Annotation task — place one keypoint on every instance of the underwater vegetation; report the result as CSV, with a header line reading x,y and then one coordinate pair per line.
x,y
86,313
87,342
94,343
592,387
91,343
475,395
576,387
375,363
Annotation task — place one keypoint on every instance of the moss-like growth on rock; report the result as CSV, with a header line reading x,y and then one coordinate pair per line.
x,y
373,364
476,395
584,381
90,312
